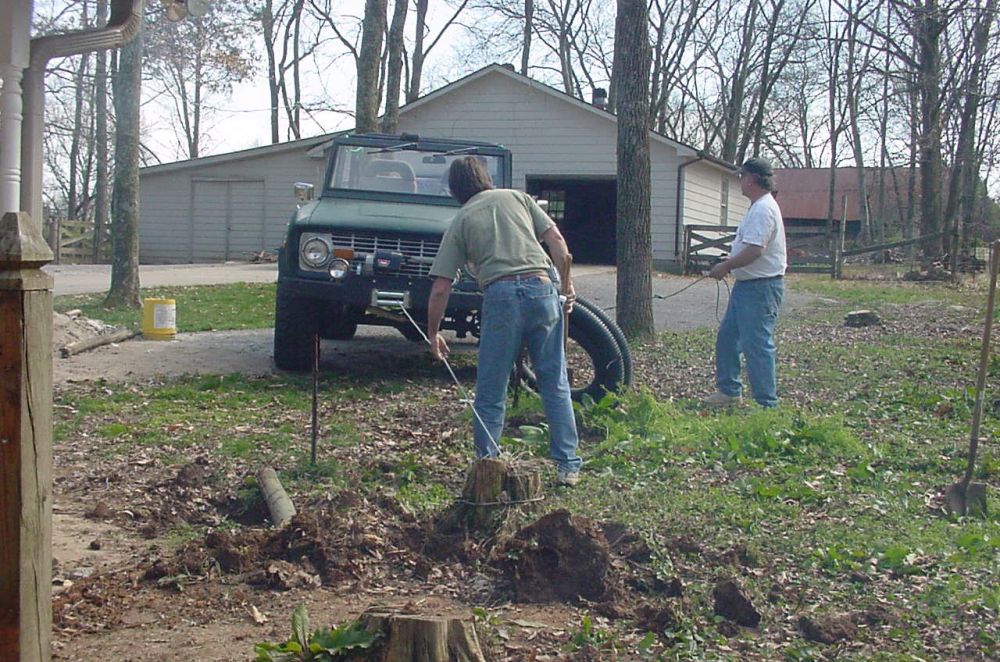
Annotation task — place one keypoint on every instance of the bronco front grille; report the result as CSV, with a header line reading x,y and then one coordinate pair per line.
x,y
418,254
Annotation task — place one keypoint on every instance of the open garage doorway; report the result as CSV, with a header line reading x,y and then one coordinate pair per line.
x,y
584,209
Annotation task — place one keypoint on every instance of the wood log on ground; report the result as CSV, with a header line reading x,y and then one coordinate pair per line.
x,y
494,484
278,504
421,638
97,341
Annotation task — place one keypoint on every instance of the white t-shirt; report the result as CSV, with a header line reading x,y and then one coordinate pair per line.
x,y
762,226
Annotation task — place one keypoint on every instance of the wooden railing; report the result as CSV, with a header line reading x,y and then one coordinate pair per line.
x,y
76,241
704,245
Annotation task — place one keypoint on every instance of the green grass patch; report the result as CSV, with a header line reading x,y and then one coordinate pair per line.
x,y
199,308
830,504
871,294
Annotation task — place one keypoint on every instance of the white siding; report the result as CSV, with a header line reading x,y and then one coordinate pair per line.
x,y
186,211
548,137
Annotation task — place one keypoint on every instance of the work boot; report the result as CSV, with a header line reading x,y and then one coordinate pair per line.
x,y
568,478
720,399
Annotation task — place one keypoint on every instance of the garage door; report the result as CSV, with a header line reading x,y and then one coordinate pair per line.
x,y
227,219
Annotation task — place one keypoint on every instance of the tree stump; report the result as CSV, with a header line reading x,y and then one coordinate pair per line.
x,y
862,318
494,484
421,638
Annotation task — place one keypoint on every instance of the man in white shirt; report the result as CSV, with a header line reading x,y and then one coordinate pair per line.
x,y
757,261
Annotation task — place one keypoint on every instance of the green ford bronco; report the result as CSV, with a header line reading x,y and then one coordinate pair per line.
x,y
362,252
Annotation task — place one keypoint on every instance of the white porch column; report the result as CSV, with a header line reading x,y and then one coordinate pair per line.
x,y
15,46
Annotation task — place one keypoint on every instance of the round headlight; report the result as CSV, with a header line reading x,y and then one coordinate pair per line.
x,y
339,268
315,252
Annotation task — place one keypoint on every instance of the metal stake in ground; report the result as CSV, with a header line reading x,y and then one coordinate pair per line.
x,y
315,397
965,496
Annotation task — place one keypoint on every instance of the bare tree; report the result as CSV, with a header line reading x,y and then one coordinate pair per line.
x,y
127,86
369,67
101,205
529,16
394,67
634,241
420,52
196,59
964,161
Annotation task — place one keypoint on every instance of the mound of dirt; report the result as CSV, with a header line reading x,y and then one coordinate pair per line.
x,y
74,326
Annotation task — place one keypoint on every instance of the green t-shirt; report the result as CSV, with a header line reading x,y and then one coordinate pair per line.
x,y
497,233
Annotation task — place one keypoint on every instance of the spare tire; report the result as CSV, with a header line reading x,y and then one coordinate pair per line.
x,y
593,357
612,326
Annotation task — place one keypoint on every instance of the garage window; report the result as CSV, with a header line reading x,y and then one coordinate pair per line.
x,y
557,204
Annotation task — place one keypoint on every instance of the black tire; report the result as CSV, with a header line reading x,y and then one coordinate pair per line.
x,y
604,365
411,333
336,327
295,325
612,326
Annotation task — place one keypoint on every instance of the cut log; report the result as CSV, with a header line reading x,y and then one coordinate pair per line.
x,y
278,504
494,484
421,638
97,341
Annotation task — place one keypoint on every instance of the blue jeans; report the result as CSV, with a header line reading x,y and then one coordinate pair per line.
x,y
748,328
526,311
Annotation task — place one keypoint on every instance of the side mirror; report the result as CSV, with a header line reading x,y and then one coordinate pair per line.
x,y
304,192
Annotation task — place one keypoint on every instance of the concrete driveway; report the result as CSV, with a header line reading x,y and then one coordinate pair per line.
x,y
89,278
680,303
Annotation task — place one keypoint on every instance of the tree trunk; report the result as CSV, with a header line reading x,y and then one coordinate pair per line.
x,y
494,485
417,63
634,249
929,28
72,201
529,17
408,637
369,63
393,81
101,139
127,86
267,24
966,150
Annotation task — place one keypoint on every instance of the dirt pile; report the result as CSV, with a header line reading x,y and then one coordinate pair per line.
x,y
73,326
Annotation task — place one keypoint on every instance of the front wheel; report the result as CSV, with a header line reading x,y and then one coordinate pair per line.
x,y
294,329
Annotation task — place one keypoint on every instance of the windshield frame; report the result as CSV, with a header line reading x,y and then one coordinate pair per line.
x,y
389,144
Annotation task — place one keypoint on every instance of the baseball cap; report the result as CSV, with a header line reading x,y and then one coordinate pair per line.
x,y
757,166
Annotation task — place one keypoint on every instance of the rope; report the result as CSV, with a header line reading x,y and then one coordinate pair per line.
x,y
718,294
500,503
461,389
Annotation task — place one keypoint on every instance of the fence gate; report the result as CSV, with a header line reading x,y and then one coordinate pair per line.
x,y
704,245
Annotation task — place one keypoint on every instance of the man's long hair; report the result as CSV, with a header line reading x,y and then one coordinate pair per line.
x,y
467,177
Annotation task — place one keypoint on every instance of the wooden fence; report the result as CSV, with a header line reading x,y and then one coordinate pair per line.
x,y
76,241
704,245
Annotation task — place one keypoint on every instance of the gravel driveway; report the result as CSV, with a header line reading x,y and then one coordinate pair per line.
x,y
687,303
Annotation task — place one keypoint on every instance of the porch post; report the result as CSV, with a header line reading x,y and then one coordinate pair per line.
x,y
25,442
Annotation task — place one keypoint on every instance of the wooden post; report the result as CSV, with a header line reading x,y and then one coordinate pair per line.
x,y
25,441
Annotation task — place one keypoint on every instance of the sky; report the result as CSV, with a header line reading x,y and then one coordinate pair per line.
x,y
243,121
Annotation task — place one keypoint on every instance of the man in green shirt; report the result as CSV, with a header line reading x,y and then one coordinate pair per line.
x,y
497,234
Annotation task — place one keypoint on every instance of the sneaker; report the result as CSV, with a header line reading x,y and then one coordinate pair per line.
x,y
568,478
720,399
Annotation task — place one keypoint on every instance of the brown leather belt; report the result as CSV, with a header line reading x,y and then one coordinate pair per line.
x,y
540,275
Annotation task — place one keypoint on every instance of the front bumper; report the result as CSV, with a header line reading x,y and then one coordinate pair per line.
x,y
359,292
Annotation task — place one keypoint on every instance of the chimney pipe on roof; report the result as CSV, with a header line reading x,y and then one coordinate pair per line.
x,y
599,97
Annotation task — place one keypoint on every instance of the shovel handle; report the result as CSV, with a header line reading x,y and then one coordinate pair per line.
x,y
564,276
984,359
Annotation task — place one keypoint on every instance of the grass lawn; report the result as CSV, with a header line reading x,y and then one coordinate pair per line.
x,y
827,507
199,308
